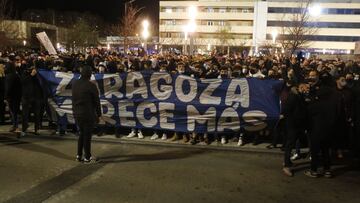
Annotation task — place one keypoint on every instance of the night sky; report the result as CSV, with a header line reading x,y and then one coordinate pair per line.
x,y
110,10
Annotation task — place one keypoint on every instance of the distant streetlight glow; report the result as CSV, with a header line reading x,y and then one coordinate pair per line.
x,y
24,42
192,12
108,47
58,46
191,26
145,33
315,10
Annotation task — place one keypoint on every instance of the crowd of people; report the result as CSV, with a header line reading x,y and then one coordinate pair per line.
x,y
320,99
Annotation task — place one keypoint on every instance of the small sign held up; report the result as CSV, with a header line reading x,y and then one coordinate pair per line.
x,y
45,41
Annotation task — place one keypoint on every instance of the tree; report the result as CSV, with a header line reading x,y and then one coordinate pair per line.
x,y
225,36
82,34
129,24
297,29
8,32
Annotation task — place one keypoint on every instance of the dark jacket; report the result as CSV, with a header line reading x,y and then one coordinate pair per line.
x,y
30,85
85,100
294,109
322,111
12,83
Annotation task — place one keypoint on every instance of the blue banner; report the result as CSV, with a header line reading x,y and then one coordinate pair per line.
x,y
173,102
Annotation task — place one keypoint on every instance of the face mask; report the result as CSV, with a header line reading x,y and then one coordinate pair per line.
x,y
349,80
342,83
181,71
313,81
244,71
162,70
17,64
252,71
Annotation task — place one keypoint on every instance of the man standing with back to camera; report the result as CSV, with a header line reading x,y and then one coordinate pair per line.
x,y
87,111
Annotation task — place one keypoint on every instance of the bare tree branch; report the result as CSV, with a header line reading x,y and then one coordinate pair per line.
x,y
295,32
128,25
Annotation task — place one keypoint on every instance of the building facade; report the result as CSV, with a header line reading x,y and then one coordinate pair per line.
x,y
24,31
253,23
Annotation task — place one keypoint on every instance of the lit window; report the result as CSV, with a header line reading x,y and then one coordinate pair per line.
x,y
222,10
168,10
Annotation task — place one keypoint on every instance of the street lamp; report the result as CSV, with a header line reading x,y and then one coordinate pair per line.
x,y
315,10
24,42
186,33
192,12
145,33
191,27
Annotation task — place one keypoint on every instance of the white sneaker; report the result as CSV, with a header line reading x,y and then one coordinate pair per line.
x,y
154,137
164,136
294,157
140,135
240,142
223,140
132,134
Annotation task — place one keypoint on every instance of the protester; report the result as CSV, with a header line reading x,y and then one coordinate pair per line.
x,y
322,110
31,96
329,112
294,110
13,90
2,94
87,112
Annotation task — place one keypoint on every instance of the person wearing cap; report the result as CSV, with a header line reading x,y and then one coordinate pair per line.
x,y
87,112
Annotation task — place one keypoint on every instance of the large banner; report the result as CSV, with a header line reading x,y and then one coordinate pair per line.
x,y
173,102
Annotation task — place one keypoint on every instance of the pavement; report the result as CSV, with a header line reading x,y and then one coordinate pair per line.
x,y
42,169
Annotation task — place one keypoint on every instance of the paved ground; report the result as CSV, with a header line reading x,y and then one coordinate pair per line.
x,y
40,169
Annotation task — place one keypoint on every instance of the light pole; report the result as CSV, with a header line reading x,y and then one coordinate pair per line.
x,y
185,38
192,12
145,33
274,36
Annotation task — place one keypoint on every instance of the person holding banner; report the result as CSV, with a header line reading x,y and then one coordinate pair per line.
x,y
87,112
